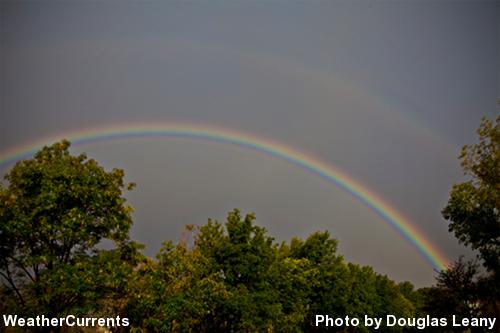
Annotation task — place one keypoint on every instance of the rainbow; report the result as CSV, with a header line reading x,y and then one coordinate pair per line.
x,y
265,146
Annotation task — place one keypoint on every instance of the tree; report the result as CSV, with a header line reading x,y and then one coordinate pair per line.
x,y
327,293
224,282
177,293
473,209
54,212
245,259
233,278
456,294
473,212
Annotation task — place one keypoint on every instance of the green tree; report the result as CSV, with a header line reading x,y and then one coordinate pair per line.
x,y
233,277
54,212
473,212
456,293
328,292
473,209
245,258
177,293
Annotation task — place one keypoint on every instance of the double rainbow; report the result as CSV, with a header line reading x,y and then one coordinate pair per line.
x,y
265,146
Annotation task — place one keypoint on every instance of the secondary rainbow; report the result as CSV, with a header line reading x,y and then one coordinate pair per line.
x,y
262,145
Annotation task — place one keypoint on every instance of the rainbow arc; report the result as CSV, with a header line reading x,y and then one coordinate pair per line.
x,y
309,163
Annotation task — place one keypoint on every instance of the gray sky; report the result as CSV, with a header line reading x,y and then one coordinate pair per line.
x,y
386,91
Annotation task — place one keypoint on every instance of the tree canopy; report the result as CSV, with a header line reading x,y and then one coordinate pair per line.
x,y
56,209
236,278
473,213
473,210
54,212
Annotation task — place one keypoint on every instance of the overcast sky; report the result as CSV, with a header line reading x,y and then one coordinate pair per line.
x,y
386,91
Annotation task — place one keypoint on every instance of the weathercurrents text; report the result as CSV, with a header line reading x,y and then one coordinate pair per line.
x,y
67,321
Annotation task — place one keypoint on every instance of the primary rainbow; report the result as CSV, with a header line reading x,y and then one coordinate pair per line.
x,y
263,145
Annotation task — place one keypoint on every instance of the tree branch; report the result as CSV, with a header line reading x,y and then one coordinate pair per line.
x,y
13,287
23,268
